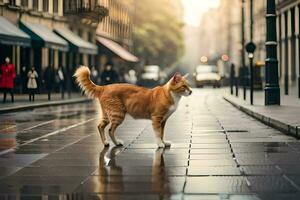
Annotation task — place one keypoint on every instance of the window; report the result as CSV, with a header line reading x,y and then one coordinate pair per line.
x,y
45,5
35,5
55,6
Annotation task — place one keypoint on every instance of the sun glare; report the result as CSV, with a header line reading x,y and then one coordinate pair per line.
x,y
194,9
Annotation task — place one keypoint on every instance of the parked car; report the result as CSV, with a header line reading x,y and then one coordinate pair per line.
x,y
152,75
207,75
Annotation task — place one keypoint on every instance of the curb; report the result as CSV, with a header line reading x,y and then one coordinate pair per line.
x,y
40,105
274,123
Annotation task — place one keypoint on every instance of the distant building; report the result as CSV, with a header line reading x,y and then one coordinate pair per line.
x,y
220,35
192,55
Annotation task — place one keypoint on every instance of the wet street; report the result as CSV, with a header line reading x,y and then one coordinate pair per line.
x,y
217,153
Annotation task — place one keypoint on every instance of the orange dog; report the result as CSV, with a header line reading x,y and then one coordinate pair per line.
x,y
116,100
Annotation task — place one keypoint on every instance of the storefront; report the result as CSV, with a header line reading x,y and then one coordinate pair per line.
x,y
45,47
78,48
11,39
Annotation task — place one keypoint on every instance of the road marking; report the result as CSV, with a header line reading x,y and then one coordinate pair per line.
x,y
29,128
38,125
12,126
47,135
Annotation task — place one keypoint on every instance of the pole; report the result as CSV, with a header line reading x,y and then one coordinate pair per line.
x,y
251,56
232,74
272,90
286,64
299,54
251,78
243,50
251,20
236,78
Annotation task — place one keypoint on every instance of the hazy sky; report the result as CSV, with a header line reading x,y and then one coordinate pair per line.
x,y
194,9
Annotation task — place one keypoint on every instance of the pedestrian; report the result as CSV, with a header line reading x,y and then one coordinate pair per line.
x,y
49,80
32,83
130,77
7,76
61,81
94,74
109,75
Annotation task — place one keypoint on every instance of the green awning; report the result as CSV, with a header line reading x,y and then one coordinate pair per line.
x,y
117,49
43,36
76,43
12,35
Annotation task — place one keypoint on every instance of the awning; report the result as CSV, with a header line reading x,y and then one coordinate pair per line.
x,y
12,35
76,43
42,36
117,49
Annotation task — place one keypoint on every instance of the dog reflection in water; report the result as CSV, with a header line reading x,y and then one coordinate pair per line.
x,y
111,182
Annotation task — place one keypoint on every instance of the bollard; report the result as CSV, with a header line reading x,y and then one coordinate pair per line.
x,y
232,75
237,86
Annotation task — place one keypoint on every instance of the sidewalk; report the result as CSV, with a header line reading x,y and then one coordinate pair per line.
x,y
41,100
285,117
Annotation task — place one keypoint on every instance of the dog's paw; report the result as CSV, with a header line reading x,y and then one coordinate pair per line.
x,y
106,144
167,143
161,145
120,143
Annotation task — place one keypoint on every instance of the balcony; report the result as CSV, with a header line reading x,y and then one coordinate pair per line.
x,y
88,9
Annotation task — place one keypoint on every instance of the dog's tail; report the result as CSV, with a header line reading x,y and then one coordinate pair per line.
x,y
82,76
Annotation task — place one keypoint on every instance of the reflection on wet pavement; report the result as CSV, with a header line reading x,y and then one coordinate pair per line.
x,y
217,152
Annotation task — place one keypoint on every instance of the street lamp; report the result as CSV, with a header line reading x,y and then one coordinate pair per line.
x,y
243,49
250,47
272,90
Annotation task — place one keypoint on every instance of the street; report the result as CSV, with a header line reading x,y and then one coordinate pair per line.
x,y
217,152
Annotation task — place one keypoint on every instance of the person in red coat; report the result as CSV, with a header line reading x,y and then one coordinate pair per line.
x,y
7,76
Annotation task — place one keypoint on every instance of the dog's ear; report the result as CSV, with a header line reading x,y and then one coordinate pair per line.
x,y
176,78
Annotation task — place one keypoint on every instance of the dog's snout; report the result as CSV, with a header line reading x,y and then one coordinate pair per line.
x,y
190,92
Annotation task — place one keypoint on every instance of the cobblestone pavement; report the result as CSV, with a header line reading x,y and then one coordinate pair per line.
x,y
217,153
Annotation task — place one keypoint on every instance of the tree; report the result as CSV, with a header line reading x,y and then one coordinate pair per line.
x,y
157,32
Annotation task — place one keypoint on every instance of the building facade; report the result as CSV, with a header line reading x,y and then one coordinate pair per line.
x,y
227,38
65,33
117,25
289,45
288,40
114,34
40,19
